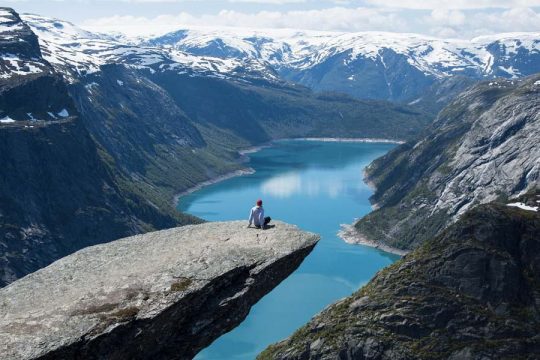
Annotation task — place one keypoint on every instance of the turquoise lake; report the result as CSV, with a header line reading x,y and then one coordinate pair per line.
x,y
318,186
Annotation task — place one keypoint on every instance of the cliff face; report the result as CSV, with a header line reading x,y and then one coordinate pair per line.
x,y
19,48
57,195
482,147
471,293
165,294
59,190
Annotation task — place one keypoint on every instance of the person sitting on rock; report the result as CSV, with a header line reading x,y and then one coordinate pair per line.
x,y
256,216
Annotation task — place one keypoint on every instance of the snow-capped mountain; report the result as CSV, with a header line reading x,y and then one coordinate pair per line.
x,y
20,53
301,50
74,52
369,64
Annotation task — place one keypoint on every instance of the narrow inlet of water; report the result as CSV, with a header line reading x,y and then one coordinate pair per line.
x,y
317,186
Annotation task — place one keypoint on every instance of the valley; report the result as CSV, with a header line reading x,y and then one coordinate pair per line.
x,y
102,133
152,132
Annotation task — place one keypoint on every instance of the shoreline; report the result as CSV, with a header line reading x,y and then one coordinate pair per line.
x,y
370,185
214,180
244,157
351,236
352,140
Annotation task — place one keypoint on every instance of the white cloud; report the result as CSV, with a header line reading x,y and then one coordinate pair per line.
x,y
445,23
275,2
454,23
519,19
332,19
454,4
447,17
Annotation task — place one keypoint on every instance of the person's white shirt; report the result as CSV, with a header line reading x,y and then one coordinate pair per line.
x,y
256,216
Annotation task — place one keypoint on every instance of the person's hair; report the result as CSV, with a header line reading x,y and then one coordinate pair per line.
x,y
259,202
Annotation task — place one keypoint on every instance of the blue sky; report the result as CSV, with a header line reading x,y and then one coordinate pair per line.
x,y
447,19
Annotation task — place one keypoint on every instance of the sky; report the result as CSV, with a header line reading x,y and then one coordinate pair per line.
x,y
445,19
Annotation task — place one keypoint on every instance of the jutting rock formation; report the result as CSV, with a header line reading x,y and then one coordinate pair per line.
x,y
163,294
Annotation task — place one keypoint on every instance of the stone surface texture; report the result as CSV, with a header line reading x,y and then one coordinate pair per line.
x,y
483,147
471,293
164,294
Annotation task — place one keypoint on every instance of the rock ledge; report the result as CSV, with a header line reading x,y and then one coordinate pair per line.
x,y
164,294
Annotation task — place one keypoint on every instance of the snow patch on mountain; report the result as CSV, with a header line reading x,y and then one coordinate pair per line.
x,y
523,206
305,49
7,120
19,53
74,51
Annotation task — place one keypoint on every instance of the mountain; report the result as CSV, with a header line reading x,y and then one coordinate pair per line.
x,y
147,123
482,147
21,55
367,65
75,52
59,189
470,293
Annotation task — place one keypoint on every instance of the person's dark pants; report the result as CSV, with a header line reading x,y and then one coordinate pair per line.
x,y
266,221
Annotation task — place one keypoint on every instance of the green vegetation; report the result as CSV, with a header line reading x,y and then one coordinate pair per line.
x,y
428,304
181,284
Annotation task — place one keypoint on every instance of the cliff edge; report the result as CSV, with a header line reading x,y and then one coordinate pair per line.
x,y
471,293
164,294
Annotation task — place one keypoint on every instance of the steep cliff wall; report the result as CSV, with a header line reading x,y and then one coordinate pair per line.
x,y
471,293
483,147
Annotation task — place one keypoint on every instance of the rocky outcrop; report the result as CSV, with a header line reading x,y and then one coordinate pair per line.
x,y
471,293
483,147
164,294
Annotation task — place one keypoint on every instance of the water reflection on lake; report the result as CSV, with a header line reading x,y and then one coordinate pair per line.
x,y
318,186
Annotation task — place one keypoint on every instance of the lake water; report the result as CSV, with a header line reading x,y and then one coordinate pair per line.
x,y
317,186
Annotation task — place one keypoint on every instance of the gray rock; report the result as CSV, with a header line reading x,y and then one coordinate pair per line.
x,y
164,294
475,296
482,148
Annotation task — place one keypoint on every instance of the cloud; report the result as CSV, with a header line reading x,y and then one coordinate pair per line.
x,y
447,17
274,2
454,4
331,19
445,23
454,23
282,186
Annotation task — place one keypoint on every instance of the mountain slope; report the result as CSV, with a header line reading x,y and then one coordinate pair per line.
x,y
20,55
106,134
59,190
51,204
262,111
470,293
483,147
372,65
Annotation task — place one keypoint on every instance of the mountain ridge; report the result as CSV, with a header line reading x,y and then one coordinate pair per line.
x,y
365,65
481,148
350,59
469,293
